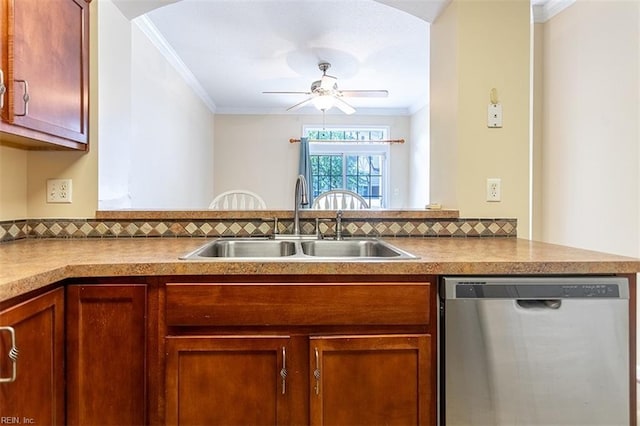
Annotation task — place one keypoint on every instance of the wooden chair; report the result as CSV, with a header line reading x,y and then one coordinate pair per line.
x,y
238,199
340,199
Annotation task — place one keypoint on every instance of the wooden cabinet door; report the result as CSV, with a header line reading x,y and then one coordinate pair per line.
x,y
37,394
5,72
106,342
220,380
47,70
372,380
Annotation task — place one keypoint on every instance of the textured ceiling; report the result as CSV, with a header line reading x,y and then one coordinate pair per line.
x,y
237,49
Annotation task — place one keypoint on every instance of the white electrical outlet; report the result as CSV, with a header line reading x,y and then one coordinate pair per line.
x,y
494,189
59,190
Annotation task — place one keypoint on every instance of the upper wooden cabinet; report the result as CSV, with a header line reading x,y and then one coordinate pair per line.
x,y
44,60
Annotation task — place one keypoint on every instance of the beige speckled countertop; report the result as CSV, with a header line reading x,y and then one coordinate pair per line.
x,y
30,264
280,214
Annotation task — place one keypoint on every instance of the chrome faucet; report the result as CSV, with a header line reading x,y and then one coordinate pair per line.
x,y
339,225
301,198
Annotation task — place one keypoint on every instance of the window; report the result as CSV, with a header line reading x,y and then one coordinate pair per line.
x,y
351,159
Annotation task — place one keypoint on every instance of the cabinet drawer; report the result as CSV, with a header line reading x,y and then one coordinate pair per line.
x,y
251,304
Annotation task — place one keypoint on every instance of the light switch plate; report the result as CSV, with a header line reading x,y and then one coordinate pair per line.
x,y
494,115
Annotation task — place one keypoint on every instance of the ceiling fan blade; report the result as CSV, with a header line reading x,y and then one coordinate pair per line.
x,y
364,93
287,93
344,107
328,82
299,104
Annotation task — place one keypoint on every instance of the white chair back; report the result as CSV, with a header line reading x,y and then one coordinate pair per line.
x,y
238,199
340,199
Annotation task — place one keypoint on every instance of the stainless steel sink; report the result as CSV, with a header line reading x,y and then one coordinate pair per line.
x,y
253,248
298,249
352,248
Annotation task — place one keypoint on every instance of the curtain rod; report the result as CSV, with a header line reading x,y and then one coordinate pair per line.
x,y
350,141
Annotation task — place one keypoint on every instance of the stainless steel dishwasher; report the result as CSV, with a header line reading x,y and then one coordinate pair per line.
x,y
534,351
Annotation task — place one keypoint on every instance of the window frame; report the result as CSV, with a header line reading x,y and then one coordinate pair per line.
x,y
360,147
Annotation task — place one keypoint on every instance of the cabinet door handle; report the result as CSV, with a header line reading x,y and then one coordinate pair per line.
x,y
316,372
25,98
3,89
283,371
13,355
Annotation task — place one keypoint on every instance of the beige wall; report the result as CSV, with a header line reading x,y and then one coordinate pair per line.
x,y
156,134
172,134
444,87
253,152
590,163
418,185
476,46
13,183
536,131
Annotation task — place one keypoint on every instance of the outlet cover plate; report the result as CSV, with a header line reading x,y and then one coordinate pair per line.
x,y
59,190
494,189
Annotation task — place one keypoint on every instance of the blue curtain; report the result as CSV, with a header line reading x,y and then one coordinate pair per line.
x,y
304,167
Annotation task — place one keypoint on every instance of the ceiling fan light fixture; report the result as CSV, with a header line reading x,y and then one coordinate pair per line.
x,y
324,94
323,102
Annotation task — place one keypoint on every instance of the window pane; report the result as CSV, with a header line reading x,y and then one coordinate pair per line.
x,y
354,166
337,135
353,135
364,177
336,165
376,135
327,173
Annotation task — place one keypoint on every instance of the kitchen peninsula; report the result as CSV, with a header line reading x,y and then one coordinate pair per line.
x,y
169,333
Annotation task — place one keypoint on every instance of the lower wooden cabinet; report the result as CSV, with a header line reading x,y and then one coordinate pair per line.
x,y
36,396
372,380
106,352
256,380
283,351
300,353
227,380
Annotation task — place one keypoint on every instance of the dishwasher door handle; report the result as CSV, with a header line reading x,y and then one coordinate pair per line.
x,y
539,303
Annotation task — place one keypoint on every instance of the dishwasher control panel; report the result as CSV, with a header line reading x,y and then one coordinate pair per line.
x,y
536,288
591,290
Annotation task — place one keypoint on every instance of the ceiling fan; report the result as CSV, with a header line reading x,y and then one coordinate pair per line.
x,y
324,93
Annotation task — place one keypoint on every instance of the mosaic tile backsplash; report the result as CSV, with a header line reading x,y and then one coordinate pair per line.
x,y
92,228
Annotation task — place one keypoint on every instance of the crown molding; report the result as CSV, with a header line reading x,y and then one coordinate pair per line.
x,y
312,111
545,10
165,49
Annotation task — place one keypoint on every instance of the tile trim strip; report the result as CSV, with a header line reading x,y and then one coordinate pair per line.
x,y
92,228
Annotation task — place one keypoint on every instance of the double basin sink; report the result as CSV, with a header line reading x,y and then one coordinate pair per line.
x,y
298,249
